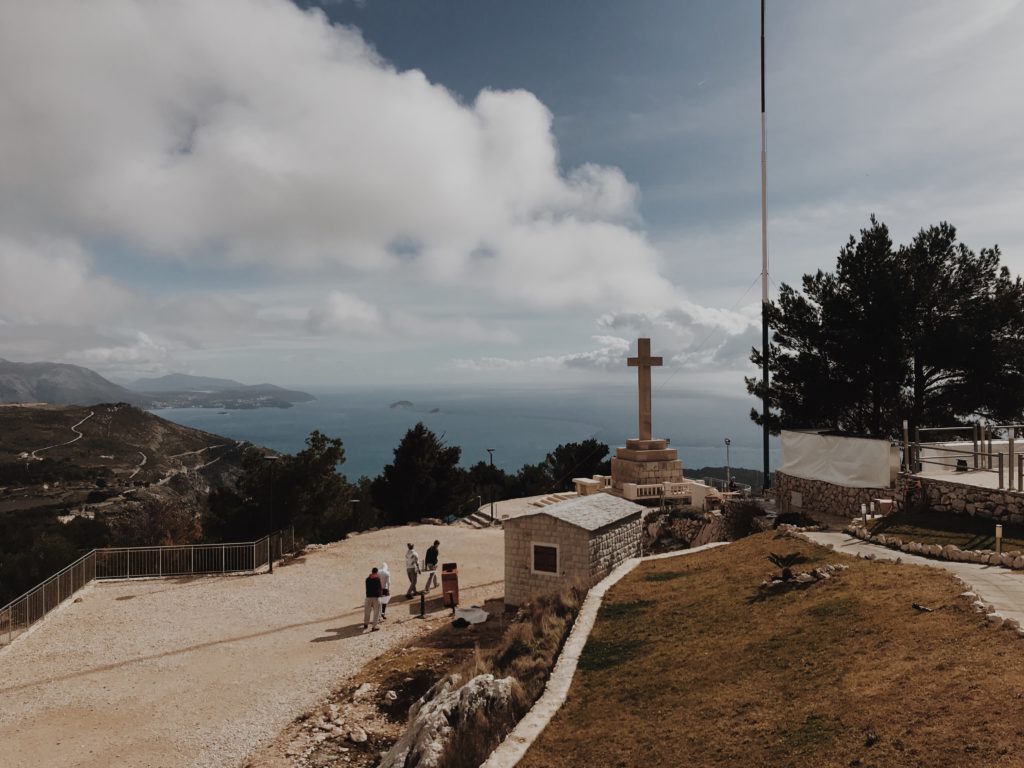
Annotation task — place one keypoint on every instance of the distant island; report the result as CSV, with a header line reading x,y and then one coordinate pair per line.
x,y
401,404
236,397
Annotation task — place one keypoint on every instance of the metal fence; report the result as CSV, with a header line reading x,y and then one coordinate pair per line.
x,y
140,562
969,448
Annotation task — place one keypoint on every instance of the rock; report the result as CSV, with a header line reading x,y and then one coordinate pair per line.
x,y
1011,624
994,620
357,736
430,730
1018,562
78,599
391,696
969,595
362,692
803,578
1006,560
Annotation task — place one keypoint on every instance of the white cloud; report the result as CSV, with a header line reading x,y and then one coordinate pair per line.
x,y
689,337
343,314
610,354
162,128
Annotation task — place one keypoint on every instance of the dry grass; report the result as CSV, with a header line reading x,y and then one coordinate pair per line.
x,y
687,665
527,653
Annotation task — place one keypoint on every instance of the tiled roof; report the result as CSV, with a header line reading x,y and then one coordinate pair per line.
x,y
589,512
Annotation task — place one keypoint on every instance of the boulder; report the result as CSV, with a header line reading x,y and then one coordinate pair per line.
x,y
430,719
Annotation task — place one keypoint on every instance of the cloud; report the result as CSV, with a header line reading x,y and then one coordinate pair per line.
x,y
609,355
343,314
157,127
689,337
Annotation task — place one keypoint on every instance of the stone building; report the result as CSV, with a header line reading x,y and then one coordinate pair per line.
x,y
580,540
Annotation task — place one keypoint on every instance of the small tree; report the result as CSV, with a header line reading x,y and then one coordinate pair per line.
x,y
424,480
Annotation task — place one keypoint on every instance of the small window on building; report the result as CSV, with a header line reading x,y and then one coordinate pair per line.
x,y
545,558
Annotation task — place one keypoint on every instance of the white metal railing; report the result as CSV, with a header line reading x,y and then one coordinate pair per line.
x,y
139,562
980,451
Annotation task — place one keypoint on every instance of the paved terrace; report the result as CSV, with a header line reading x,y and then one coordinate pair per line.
x,y
199,672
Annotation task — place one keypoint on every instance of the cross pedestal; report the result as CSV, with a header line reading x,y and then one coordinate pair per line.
x,y
644,460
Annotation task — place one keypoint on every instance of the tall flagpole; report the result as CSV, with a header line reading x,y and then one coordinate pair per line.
x,y
764,261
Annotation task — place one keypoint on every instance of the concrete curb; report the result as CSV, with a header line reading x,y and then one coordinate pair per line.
x,y
511,750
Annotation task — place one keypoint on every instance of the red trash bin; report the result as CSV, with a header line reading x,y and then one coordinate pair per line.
x,y
450,584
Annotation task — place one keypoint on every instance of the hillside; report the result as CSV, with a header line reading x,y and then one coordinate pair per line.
x,y
64,384
702,667
60,384
78,460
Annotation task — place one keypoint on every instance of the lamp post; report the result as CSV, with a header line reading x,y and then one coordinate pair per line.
x,y
270,508
728,469
490,452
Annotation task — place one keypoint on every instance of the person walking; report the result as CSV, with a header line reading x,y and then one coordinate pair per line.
x,y
412,569
385,590
372,604
431,565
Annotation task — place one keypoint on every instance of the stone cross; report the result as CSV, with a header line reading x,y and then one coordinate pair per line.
x,y
643,362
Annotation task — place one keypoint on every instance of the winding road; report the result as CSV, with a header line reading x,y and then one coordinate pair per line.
x,y
74,429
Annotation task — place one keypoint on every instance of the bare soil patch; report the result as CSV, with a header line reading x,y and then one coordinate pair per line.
x,y
691,664
376,701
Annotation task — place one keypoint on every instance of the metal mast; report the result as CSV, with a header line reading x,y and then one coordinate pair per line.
x,y
764,261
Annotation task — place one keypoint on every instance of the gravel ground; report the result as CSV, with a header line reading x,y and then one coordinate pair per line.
x,y
199,672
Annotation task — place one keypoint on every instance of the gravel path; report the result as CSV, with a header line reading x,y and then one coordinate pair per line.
x,y
199,672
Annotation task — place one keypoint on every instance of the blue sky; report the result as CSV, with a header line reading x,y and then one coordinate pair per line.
x,y
478,192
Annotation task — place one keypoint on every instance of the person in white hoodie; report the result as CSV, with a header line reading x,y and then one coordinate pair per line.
x,y
412,569
385,590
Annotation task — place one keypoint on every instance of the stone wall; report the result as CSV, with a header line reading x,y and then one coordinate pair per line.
x,y
583,556
611,545
573,556
646,472
1002,506
828,498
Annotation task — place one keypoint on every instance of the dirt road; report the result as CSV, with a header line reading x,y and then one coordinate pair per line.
x,y
199,672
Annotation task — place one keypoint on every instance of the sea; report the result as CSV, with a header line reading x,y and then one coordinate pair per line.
x,y
521,425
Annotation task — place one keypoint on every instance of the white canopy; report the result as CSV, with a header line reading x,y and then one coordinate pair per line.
x,y
856,462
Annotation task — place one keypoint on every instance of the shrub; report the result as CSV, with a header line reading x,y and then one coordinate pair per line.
x,y
785,562
799,519
527,653
738,519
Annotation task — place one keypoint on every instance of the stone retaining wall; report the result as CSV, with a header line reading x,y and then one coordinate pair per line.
x,y
951,552
828,498
613,545
1001,506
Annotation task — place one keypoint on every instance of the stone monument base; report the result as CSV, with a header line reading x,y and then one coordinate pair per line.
x,y
644,463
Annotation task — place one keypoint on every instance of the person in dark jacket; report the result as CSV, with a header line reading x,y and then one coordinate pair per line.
x,y
372,605
431,565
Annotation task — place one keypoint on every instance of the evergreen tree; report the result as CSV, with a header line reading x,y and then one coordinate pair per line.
x,y
424,480
929,332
